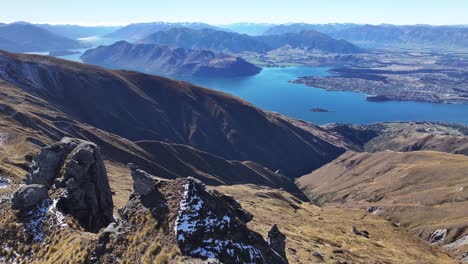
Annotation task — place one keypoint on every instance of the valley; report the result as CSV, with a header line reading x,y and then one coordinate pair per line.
x,y
233,142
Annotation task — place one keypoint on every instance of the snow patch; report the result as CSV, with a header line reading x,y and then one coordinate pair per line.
x,y
39,215
216,247
191,221
4,183
187,219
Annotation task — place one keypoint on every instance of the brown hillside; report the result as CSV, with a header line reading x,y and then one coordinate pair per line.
x,y
423,191
140,107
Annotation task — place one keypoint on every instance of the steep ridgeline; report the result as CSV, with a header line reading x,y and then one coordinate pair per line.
x,y
169,61
67,196
23,37
237,43
138,31
145,108
28,122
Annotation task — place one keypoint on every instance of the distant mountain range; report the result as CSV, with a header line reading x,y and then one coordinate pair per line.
x,y
445,36
384,35
298,27
253,29
138,31
169,61
75,31
236,43
23,37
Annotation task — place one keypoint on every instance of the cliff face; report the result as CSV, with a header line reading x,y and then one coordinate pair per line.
x,y
169,61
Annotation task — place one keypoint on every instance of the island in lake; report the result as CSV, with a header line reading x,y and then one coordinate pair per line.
x,y
320,110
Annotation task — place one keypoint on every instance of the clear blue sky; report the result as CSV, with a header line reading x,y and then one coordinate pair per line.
x,y
89,12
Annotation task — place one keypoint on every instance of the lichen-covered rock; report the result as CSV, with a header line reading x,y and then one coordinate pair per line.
x,y
74,170
143,182
48,162
28,195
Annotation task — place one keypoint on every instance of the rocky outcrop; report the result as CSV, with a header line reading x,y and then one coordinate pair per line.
x,y
143,182
437,236
204,224
72,172
29,195
277,241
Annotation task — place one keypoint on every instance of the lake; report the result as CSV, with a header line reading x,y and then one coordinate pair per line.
x,y
271,90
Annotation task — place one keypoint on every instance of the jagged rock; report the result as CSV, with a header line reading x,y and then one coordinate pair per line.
x,y
338,251
373,210
204,224
29,195
363,233
207,226
318,256
277,241
75,170
438,235
143,183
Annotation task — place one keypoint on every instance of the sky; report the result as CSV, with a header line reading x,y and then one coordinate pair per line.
x,y
121,12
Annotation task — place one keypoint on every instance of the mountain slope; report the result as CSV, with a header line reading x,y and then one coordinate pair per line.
x,y
423,191
138,31
206,39
145,107
30,38
29,122
237,43
169,61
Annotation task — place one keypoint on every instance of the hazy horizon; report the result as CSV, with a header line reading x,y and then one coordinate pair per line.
x,y
224,24
92,13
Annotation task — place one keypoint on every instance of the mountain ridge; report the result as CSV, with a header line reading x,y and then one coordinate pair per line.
x,y
169,61
237,43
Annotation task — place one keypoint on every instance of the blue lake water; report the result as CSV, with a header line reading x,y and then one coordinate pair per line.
x,y
271,90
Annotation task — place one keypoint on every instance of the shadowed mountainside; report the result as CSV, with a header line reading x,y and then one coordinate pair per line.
x,y
139,107
169,61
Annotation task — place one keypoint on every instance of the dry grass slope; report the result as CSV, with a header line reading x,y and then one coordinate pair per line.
x,y
422,191
328,231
